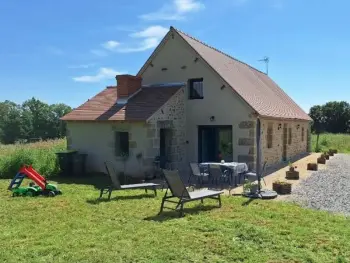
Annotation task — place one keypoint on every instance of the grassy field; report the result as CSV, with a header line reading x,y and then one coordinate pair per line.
x,y
41,155
75,227
327,141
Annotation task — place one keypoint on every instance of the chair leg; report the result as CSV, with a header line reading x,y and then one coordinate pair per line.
x,y
181,209
219,198
161,206
109,193
155,191
101,192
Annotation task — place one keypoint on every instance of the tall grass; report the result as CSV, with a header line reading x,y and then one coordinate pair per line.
x,y
40,154
340,142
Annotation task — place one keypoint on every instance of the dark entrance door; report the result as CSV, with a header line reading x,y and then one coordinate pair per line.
x,y
164,147
212,141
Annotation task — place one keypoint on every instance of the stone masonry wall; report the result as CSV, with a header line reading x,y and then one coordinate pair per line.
x,y
171,116
299,143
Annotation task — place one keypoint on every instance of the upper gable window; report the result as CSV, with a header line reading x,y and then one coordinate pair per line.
x,y
195,89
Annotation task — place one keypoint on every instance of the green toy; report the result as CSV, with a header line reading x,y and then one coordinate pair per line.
x,y
42,187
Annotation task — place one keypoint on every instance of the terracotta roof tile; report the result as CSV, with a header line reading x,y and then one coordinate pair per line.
x,y
254,86
140,107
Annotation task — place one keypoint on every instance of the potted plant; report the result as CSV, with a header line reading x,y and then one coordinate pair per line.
x,y
312,166
282,187
326,155
250,187
292,174
321,159
332,152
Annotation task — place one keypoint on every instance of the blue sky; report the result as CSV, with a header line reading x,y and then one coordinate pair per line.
x,y
67,51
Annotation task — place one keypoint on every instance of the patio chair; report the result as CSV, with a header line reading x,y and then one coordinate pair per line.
x,y
217,174
180,192
117,186
253,174
195,172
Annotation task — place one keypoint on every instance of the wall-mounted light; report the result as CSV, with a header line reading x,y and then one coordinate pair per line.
x,y
196,59
164,69
222,87
298,126
184,67
162,111
151,64
212,118
279,126
187,142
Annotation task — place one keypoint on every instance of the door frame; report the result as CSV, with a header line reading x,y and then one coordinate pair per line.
x,y
199,139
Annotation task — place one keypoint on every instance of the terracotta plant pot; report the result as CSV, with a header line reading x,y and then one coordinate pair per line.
x,y
292,175
282,187
321,160
312,166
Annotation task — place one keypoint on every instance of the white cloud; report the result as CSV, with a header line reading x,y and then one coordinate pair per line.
x,y
146,39
81,66
175,10
111,45
102,74
151,32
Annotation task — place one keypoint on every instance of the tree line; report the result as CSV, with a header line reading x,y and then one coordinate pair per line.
x,y
31,120
332,117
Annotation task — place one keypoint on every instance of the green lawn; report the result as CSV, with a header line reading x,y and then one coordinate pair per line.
x,y
75,227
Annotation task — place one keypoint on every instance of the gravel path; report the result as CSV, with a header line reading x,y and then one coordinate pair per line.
x,y
327,189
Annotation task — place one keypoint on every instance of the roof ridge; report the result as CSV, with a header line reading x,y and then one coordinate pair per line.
x,y
218,50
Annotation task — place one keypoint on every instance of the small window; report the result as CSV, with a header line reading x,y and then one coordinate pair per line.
x,y
302,134
290,136
195,89
269,135
121,143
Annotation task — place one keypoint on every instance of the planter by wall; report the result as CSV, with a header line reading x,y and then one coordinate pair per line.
x,y
331,153
282,187
312,166
326,156
321,160
292,175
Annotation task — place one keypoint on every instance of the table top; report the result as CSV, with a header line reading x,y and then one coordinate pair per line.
x,y
240,167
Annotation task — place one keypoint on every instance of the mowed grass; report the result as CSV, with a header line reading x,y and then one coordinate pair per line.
x,y
327,141
75,227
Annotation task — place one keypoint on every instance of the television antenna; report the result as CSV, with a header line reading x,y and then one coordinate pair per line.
x,y
266,60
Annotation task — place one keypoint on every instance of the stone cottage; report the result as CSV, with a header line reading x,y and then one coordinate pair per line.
x,y
188,103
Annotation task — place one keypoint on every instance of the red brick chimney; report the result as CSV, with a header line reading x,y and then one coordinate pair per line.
x,y
128,85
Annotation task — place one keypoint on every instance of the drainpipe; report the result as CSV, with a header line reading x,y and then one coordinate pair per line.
x,y
258,152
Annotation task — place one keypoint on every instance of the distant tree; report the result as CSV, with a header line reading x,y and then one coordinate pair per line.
x,y
10,122
337,115
32,119
319,122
